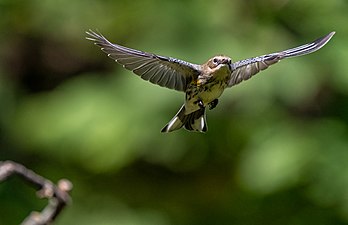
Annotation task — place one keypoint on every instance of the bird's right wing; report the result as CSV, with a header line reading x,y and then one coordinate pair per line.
x,y
245,69
164,71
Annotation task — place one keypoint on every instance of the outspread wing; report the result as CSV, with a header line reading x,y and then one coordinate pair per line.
x,y
245,69
164,71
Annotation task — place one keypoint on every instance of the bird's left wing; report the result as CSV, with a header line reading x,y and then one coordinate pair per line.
x,y
245,69
164,71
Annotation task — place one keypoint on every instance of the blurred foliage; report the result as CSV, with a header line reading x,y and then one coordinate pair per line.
x,y
277,147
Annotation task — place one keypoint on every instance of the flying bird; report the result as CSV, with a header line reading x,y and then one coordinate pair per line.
x,y
202,84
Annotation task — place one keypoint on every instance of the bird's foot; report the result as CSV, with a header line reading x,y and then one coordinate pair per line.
x,y
199,103
213,104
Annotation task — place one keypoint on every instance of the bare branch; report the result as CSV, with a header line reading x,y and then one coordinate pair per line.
x,y
58,195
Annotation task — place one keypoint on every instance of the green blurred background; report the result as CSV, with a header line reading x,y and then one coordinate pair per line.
x,y
277,147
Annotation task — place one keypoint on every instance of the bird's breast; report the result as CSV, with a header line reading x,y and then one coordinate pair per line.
x,y
211,91
206,93
208,87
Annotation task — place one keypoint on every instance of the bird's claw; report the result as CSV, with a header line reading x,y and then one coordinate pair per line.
x,y
200,104
213,104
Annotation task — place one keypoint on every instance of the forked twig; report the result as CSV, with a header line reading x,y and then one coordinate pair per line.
x,y
58,195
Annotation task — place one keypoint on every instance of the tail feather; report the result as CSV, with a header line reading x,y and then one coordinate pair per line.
x,y
195,121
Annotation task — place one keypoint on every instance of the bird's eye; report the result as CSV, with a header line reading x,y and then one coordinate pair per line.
x,y
215,60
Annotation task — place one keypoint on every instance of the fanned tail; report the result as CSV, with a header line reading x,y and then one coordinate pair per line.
x,y
193,122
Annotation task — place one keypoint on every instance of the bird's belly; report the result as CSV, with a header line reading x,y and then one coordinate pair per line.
x,y
205,93
211,94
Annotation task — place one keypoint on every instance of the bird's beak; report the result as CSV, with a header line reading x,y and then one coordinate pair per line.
x,y
225,61
229,66
228,63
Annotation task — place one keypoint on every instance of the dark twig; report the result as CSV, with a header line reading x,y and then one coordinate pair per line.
x,y
58,195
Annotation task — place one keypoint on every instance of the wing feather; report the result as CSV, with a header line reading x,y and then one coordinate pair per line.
x,y
245,69
163,71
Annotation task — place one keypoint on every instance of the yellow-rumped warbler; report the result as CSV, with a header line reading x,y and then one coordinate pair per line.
x,y
202,84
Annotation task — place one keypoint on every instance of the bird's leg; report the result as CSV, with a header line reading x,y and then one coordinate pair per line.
x,y
200,103
213,104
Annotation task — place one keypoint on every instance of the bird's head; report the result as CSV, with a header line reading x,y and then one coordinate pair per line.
x,y
219,61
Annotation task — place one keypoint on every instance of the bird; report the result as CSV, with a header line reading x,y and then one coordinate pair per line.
x,y
202,84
